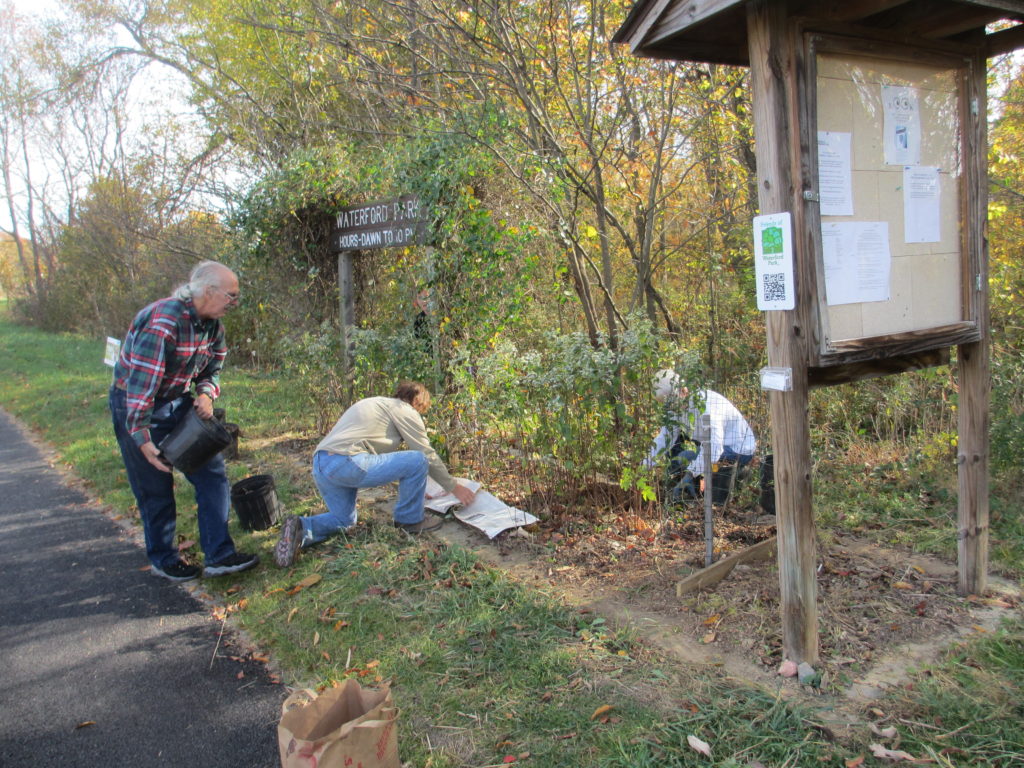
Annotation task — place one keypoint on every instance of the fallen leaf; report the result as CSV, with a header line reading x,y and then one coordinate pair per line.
x,y
309,581
340,624
854,762
523,755
885,733
602,710
997,603
700,746
261,657
713,619
85,724
889,754
509,759
316,638
326,655
710,637
902,585
291,615
372,664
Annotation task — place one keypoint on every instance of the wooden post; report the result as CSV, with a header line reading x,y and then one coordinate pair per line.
x,y
347,318
973,363
776,129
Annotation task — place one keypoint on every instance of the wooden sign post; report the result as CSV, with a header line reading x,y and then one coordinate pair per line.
x,y
869,125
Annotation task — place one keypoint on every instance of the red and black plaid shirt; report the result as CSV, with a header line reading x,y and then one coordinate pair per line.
x,y
167,349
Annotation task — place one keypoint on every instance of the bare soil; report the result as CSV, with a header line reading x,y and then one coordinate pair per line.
x,y
882,611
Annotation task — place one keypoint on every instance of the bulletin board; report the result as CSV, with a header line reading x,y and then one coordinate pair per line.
x,y
892,259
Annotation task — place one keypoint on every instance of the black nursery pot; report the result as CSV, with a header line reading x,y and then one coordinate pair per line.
x,y
194,442
255,500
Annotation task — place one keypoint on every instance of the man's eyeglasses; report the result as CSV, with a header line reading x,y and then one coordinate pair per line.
x,y
232,297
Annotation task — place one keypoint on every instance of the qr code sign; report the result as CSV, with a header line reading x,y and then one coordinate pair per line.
x,y
774,286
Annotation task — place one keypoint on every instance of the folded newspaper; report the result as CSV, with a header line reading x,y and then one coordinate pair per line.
x,y
487,513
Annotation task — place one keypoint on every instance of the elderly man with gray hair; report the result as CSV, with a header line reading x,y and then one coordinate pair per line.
x,y
170,363
731,440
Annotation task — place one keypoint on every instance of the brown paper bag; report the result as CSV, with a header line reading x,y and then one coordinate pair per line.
x,y
345,727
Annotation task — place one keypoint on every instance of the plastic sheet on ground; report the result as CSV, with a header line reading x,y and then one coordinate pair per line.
x,y
487,513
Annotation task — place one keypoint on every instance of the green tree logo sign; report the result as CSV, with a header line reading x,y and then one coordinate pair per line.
x,y
771,240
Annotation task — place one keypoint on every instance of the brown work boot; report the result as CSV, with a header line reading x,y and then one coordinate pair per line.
x,y
428,523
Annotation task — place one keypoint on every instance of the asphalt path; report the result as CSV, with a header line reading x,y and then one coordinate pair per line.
x,y
101,663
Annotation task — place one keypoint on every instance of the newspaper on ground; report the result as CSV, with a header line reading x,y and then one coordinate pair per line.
x,y
487,513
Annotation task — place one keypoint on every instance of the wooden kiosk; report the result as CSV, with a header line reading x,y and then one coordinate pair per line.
x,y
870,133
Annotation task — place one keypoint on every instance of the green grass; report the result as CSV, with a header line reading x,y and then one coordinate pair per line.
x,y
482,667
913,504
968,710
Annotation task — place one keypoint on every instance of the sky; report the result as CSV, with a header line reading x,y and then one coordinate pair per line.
x,y
156,91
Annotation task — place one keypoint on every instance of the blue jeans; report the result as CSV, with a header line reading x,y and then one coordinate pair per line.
x,y
340,477
154,490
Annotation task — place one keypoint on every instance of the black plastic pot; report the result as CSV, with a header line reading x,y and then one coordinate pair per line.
x,y
255,500
721,482
194,442
231,452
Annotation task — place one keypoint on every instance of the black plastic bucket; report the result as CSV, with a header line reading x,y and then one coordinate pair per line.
x,y
231,452
721,482
255,501
194,442
767,500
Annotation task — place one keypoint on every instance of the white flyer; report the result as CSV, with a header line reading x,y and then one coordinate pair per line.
x,y
835,178
857,261
902,140
487,513
921,204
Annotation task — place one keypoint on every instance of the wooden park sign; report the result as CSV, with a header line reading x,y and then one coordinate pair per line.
x,y
870,139
394,223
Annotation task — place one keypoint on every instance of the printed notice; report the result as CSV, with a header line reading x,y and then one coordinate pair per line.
x,y
773,261
902,141
835,180
111,351
857,261
921,204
